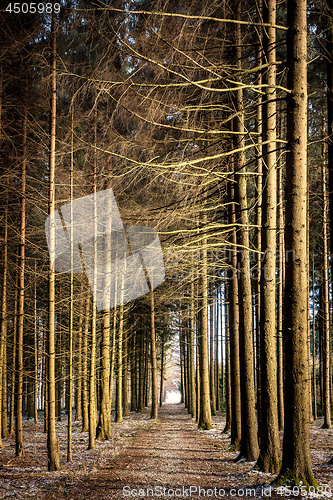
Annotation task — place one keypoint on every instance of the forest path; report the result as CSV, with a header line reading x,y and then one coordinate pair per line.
x,y
171,459
166,459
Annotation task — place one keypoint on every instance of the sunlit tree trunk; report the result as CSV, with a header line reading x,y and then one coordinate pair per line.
x,y
205,419
52,441
154,394
104,424
85,410
249,443
326,340
314,374
13,371
19,350
192,408
92,381
227,392
162,369
141,404
71,303
78,411
258,221
125,375
133,368
212,360
197,373
113,354
216,307
296,460
181,354
4,283
35,350
270,454
92,375
4,322
119,383
233,300
329,59
281,280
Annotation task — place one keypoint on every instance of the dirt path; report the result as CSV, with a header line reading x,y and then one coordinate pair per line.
x,y
167,459
170,460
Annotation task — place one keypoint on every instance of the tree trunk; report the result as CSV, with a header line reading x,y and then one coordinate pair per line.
x,y
113,353
85,410
119,384
125,374
133,361
4,324
329,58
212,361
35,385
205,419
92,380
52,441
15,312
281,280
258,221
233,300
270,453
71,304
19,350
154,393
227,427
326,352
78,411
104,424
192,408
162,369
249,443
296,460
141,405
217,364
314,373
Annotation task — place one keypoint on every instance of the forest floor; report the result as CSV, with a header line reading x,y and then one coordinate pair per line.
x,y
167,459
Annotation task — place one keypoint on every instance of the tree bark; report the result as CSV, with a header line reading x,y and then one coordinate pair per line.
x,y
119,384
154,392
326,340
85,410
92,380
314,372
296,460
270,453
35,350
52,440
125,375
212,360
78,412
71,305
249,443
192,408
162,369
205,419
19,350
233,309
104,424
13,371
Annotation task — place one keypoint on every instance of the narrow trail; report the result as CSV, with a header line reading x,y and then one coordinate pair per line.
x,y
171,459
166,459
